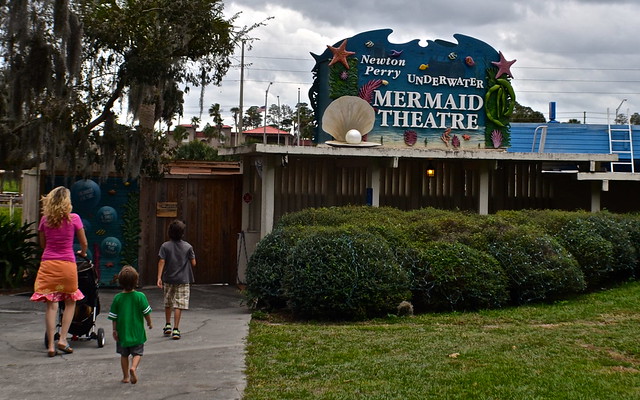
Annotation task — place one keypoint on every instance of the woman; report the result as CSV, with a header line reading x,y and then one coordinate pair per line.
x,y
57,278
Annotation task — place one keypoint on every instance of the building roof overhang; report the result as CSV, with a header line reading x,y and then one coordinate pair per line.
x,y
255,149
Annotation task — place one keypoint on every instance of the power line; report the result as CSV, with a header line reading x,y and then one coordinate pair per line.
x,y
574,80
579,68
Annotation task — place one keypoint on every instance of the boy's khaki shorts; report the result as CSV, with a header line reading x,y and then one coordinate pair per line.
x,y
176,295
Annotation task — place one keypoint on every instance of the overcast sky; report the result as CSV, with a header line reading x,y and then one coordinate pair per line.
x,y
582,54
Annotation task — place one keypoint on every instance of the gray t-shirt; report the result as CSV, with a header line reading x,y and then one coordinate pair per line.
x,y
177,256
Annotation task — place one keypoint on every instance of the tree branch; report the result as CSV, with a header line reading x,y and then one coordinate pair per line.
x,y
107,107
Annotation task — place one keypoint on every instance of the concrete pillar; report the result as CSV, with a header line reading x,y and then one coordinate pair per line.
x,y
483,194
268,195
373,185
595,195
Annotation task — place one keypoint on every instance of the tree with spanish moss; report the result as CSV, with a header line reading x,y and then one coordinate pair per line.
x,y
67,66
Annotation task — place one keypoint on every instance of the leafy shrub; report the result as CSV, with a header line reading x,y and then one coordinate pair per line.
x,y
452,227
594,253
347,215
350,262
18,253
601,244
340,274
623,247
5,212
538,267
456,277
315,217
631,224
551,221
266,269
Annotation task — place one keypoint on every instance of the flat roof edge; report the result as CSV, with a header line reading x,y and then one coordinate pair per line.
x,y
386,152
608,176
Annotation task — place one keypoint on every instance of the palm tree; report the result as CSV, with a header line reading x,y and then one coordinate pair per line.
x,y
236,113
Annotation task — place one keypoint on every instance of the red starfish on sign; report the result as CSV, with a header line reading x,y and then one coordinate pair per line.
x,y
504,66
340,54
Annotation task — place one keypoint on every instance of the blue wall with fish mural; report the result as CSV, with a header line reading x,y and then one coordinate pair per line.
x,y
109,212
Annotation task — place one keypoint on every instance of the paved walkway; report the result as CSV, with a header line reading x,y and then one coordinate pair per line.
x,y
207,363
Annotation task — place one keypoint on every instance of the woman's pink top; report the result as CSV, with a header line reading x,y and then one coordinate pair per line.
x,y
59,244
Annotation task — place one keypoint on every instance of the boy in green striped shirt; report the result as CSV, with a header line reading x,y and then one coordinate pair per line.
x,y
128,311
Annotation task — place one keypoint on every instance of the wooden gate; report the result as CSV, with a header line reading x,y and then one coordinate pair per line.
x,y
211,207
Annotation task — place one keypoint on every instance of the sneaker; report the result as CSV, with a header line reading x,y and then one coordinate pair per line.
x,y
176,334
167,330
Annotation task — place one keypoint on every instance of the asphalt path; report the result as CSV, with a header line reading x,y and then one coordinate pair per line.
x,y
206,363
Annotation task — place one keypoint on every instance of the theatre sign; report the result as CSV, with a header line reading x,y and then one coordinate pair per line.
x,y
441,95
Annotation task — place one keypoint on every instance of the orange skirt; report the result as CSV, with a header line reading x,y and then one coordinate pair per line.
x,y
57,281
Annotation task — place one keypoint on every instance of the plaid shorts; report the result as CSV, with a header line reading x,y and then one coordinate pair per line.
x,y
176,295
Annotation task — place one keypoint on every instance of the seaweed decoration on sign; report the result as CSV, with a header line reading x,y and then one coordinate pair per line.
x,y
367,90
499,103
343,81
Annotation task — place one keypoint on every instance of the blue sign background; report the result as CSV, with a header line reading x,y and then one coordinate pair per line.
x,y
427,90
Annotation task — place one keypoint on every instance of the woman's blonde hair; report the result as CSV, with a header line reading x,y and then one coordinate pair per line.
x,y
56,206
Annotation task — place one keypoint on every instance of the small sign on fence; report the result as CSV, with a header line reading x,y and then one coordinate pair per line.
x,y
167,209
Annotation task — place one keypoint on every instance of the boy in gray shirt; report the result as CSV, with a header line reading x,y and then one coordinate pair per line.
x,y
175,276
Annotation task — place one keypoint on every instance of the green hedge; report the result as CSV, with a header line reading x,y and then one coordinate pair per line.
x,y
359,262
342,274
538,267
453,276
267,267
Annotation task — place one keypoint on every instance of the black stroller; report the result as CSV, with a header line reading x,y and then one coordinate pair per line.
x,y
83,325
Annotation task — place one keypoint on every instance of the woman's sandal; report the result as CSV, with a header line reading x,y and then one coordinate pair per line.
x,y
52,353
66,349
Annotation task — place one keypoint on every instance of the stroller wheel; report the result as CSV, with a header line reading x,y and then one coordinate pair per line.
x,y
100,337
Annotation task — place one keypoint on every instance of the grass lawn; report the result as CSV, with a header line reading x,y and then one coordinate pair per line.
x,y
586,348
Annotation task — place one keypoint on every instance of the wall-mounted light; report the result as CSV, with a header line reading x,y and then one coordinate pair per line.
x,y
431,171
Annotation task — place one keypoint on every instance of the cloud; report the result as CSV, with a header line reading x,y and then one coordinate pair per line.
x,y
579,53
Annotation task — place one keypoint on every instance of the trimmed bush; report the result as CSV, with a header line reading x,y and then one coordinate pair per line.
x,y
340,274
631,224
454,227
593,252
315,217
538,267
266,269
456,277
357,262
623,248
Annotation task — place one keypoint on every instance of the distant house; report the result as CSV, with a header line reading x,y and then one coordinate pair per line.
x,y
272,135
226,137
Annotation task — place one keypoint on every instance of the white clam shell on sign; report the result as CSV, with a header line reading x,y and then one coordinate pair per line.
x,y
347,113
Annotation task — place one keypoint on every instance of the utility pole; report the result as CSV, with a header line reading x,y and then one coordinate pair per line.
x,y
298,116
239,123
618,120
264,132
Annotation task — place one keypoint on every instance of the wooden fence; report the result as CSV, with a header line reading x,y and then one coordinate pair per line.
x,y
210,205
323,182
